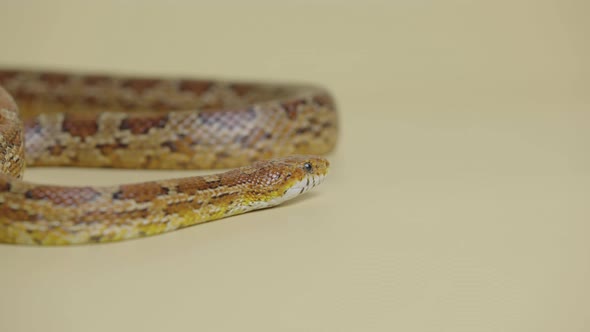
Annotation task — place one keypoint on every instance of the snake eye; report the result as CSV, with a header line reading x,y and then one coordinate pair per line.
x,y
307,167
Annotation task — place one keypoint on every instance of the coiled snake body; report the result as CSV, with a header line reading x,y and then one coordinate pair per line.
x,y
272,133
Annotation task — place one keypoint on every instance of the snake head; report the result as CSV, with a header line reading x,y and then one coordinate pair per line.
x,y
285,178
303,173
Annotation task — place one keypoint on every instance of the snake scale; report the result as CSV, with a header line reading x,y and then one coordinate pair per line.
x,y
269,135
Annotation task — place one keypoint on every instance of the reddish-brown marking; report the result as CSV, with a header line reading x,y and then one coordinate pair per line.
x,y
291,107
241,89
94,101
142,124
196,87
53,79
7,75
23,95
140,193
80,124
4,183
190,186
55,150
16,215
139,85
65,100
161,105
96,79
63,196
234,177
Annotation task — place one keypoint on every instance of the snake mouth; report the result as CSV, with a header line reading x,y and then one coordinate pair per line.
x,y
304,185
298,188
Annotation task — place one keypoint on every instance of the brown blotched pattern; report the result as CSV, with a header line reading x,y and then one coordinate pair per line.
x,y
151,123
109,121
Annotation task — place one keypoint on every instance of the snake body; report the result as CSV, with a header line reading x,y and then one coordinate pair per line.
x,y
271,134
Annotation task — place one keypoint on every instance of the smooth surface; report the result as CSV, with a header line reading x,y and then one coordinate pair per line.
x,y
458,198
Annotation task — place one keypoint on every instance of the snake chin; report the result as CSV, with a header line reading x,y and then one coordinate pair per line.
x,y
298,188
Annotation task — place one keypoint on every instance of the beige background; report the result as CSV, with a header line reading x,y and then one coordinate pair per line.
x,y
458,199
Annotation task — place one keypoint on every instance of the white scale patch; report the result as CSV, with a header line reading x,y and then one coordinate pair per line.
x,y
297,189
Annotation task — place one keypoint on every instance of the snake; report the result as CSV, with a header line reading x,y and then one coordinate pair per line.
x,y
267,139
